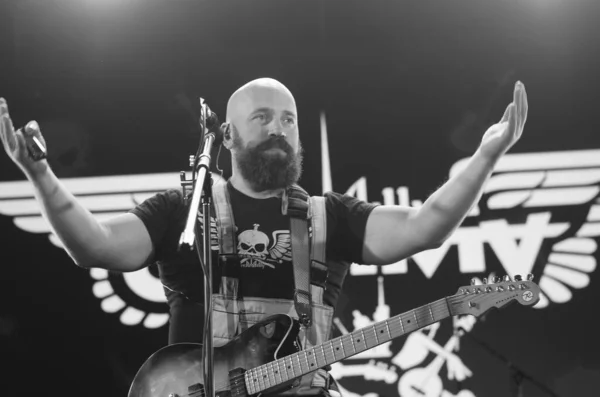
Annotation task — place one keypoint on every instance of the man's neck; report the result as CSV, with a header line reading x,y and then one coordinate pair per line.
x,y
243,186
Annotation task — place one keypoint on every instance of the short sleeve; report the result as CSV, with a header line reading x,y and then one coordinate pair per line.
x,y
346,224
159,214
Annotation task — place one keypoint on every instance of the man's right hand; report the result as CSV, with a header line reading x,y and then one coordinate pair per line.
x,y
14,143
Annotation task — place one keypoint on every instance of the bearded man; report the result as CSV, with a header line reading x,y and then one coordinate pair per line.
x,y
257,276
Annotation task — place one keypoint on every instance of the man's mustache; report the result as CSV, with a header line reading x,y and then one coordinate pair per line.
x,y
277,142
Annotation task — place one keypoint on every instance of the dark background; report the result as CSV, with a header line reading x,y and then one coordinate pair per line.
x,y
408,89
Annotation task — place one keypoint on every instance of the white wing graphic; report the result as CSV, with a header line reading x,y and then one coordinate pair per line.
x,y
104,197
281,249
565,180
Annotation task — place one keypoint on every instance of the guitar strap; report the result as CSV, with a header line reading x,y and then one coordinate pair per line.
x,y
294,203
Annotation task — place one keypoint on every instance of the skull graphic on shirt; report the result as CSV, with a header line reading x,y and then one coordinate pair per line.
x,y
253,248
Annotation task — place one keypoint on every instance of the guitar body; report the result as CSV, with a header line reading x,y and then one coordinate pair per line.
x,y
178,369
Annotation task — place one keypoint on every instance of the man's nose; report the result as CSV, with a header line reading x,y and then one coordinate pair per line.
x,y
276,128
277,133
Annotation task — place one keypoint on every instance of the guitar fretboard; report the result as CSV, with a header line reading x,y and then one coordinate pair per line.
x,y
290,367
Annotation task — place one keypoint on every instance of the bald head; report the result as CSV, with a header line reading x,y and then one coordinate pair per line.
x,y
259,93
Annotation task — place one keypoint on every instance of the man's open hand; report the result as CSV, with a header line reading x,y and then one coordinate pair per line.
x,y
500,137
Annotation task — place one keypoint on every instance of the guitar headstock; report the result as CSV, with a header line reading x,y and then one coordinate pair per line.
x,y
477,299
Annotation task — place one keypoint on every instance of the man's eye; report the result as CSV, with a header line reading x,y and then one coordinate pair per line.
x,y
290,120
260,116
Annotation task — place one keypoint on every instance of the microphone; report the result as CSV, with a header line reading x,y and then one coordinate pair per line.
x,y
212,124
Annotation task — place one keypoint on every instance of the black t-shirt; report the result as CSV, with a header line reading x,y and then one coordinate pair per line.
x,y
263,244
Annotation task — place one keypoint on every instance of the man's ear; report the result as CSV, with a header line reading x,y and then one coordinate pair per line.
x,y
227,140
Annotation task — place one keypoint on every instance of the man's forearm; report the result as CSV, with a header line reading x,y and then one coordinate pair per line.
x,y
81,234
445,209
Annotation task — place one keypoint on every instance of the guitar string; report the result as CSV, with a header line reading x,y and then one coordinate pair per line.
x,y
437,307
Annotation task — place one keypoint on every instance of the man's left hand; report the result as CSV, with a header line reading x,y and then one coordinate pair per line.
x,y
500,137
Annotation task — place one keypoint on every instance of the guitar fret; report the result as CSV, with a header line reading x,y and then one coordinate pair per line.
x,y
376,337
423,315
382,332
362,333
350,338
299,364
409,323
325,353
289,365
415,316
277,372
319,362
387,327
325,361
332,354
249,382
261,383
265,375
343,350
431,313
283,370
336,348
271,372
312,362
307,363
370,337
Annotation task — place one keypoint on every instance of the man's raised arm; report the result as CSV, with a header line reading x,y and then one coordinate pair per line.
x,y
120,244
396,232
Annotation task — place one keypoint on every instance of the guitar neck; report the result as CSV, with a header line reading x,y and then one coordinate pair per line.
x,y
290,367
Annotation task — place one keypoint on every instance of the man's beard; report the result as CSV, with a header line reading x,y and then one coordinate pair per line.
x,y
268,171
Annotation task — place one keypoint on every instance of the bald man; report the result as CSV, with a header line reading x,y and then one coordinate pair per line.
x,y
261,131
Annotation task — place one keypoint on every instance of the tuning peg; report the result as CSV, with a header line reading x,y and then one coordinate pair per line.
x,y
530,277
507,278
485,280
518,277
498,279
499,288
474,281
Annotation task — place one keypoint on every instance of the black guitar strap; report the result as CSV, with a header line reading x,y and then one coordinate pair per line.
x,y
294,203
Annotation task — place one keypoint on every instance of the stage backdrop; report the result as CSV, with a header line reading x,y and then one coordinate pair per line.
x,y
393,97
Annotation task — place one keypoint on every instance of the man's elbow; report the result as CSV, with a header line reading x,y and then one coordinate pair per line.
x,y
96,259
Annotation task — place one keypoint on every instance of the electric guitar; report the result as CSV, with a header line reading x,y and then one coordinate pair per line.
x,y
266,358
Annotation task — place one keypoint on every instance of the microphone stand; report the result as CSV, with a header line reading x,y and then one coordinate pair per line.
x,y
517,375
202,193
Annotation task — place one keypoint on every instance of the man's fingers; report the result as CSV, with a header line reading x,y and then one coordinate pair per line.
x,y
521,101
525,107
20,139
8,132
3,116
512,119
505,115
32,128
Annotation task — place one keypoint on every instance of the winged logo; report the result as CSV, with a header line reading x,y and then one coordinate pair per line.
x,y
137,296
562,188
282,245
